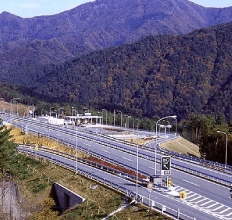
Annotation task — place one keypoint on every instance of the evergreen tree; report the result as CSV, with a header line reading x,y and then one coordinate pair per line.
x,y
8,158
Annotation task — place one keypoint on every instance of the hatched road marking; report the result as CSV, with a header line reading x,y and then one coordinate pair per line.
x,y
210,206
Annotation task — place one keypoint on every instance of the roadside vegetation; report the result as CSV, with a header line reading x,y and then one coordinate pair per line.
x,y
100,200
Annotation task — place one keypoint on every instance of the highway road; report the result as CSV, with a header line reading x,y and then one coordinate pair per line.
x,y
152,198
201,194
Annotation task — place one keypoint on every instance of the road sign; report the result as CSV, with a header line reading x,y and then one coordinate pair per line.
x,y
166,165
150,186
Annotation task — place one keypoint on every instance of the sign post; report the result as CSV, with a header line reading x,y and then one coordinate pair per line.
x,y
166,165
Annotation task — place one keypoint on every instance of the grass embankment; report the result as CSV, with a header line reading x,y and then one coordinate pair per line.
x,y
179,145
182,146
21,138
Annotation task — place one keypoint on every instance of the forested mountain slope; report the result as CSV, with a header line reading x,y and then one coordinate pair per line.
x,y
27,43
159,75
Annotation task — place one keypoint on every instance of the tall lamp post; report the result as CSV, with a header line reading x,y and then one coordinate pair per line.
x,y
226,144
76,147
106,115
51,111
59,111
174,117
101,122
13,100
121,117
128,121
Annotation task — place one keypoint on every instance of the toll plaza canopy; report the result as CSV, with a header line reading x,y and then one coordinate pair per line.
x,y
85,119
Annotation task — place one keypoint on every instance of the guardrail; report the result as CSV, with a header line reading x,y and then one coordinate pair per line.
x,y
133,151
190,158
86,161
176,214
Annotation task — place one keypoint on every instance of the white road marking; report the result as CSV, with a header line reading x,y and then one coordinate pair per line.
x,y
227,215
71,139
194,198
202,200
153,168
190,182
190,195
214,208
105,150
127,159
87,144
206,203
218,208
216,203
224,210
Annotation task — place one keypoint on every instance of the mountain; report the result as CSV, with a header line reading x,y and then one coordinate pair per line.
x,y
158,75
28,43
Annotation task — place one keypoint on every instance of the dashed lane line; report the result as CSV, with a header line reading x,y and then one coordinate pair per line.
x,y
190,182
127,159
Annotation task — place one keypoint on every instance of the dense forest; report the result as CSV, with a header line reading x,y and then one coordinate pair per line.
x,y
159,75
28,43
209,132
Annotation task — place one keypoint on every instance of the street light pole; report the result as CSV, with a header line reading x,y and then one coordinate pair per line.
x,y
173,116
128,121
12,100
137,170
101,119
121,117
106,114
51,111
226,144
114,118
76,149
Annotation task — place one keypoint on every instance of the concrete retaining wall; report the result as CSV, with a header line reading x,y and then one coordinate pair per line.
x,y
65,197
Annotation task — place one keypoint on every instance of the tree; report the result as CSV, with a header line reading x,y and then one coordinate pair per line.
x,y
8,158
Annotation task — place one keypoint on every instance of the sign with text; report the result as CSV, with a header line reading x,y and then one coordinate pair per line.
x,y
165,165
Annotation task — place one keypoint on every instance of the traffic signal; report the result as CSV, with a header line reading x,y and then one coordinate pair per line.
x,y
169,182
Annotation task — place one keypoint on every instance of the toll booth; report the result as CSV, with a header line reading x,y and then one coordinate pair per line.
x,y
156,180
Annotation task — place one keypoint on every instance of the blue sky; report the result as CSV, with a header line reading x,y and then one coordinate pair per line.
x,y
31,8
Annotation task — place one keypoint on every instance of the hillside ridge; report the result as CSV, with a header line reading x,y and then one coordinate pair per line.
x,y
26,43
158,75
